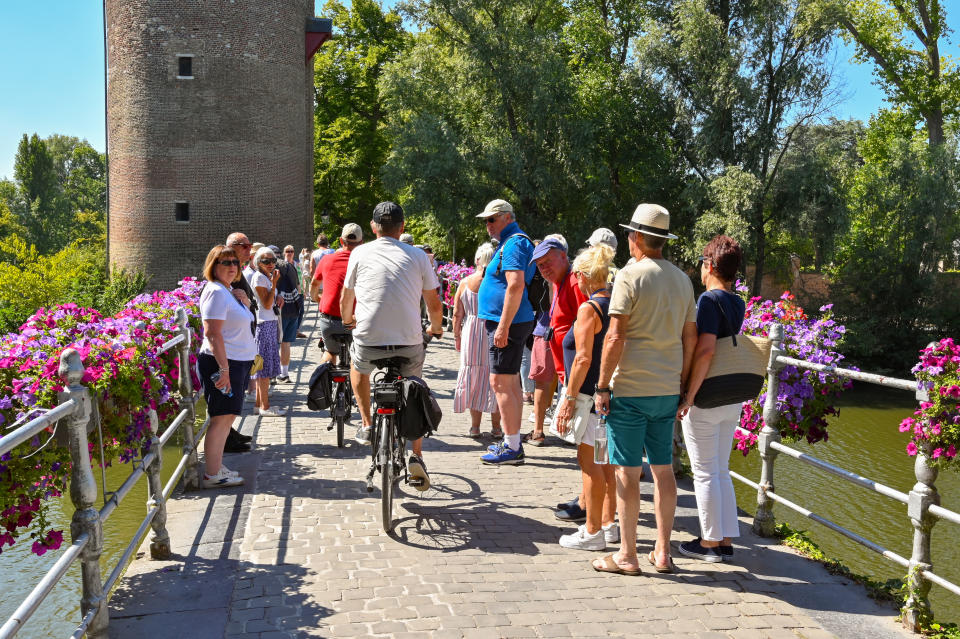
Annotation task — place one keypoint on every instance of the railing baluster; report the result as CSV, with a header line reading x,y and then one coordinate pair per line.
x,y
83,493
916,609
160,542
191,477
764,523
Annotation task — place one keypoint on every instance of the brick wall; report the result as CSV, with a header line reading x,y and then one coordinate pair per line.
x,y
235,142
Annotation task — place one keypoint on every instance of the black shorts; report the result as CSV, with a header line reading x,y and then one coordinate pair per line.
x,y
506,360
218,403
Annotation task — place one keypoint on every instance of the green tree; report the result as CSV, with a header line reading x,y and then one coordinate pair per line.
x,y
352,142
903,203
742,79
39,203
918,78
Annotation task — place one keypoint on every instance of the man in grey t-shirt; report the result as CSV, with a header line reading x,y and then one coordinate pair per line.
x,y
387,278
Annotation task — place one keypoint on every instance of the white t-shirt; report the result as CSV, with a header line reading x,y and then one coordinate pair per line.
x,y
263,314
388,278
218,303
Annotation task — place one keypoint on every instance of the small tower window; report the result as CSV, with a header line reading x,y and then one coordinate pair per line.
x,y
181,211
184,67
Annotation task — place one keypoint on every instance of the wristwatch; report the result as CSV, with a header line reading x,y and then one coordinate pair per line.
x,y
570,398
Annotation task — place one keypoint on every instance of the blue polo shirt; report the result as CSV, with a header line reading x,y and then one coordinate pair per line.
x,y
516,254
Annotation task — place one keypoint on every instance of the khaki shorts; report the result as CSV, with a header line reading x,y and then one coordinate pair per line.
x,y
365,356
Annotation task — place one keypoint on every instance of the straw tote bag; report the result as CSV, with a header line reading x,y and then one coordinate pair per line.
x,y
737,369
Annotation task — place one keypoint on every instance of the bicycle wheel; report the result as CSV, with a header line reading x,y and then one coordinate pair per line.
x,y
339,412
386,473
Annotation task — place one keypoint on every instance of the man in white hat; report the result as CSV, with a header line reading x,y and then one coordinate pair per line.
x,y
508,317
646,358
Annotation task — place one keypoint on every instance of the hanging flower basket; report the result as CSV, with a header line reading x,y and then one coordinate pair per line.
x,y
935,426
806,399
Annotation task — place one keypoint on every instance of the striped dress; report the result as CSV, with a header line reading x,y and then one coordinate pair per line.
x,y
473,382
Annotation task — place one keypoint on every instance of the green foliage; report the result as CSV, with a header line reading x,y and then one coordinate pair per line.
x,y
351,138
903,204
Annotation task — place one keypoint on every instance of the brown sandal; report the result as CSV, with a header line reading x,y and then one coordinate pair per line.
x,y
669,567
533,439
608,564
474,433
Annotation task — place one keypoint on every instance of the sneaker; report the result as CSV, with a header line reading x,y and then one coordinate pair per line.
x,y
363,435
726,552
575,515
533,417
695,550
504,455
567,505
611,532
228,471
495,446
223,479
582,540
284,378
419,478
273,411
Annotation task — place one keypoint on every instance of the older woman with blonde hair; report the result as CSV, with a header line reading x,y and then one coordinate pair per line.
x,y
225,358
582,347
264,283
473,391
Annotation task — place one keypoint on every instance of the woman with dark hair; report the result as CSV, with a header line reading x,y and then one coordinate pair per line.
x,y
225,358
708,432
264,282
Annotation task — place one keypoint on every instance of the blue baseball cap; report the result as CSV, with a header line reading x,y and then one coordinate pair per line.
x,y
544,247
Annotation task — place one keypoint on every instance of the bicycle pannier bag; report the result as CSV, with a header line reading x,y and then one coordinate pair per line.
x,y
421,413
320,391
737,369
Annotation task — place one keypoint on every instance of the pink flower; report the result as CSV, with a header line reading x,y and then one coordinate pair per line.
x,y
906,424
951,451
911,449
937,452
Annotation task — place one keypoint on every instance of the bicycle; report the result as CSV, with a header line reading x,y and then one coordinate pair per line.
x,y
389,446
343,399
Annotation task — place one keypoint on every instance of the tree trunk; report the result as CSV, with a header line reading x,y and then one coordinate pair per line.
x,y
935,128
761,249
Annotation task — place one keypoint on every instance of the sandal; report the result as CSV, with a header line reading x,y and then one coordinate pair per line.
x,y
608,564
474,433
532,438
496,434
668,567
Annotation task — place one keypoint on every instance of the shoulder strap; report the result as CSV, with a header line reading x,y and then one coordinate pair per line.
x,y
504,245
723,313
596,309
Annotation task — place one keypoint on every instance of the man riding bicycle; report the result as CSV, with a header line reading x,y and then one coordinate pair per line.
x,y
386,279
330,273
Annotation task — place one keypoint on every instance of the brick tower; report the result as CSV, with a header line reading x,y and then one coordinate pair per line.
x,y
210,128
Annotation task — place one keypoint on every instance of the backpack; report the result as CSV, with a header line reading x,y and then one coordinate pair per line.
x,y
538,290
421,413
320,390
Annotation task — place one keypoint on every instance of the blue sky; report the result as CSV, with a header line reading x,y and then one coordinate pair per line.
x,y
52,81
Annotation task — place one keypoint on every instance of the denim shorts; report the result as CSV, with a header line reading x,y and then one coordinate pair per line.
x,y
638,424
506,360
290,327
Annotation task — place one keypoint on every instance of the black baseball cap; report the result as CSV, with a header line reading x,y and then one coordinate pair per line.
x,y
387,213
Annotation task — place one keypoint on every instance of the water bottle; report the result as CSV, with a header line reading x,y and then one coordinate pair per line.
x,y
216,378
600,441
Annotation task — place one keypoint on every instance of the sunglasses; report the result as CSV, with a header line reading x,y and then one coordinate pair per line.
x,y
703,258
268,260
229,263
246,246
492,218
288,251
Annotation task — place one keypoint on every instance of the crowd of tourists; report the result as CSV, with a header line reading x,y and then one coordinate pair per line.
x,y
628,349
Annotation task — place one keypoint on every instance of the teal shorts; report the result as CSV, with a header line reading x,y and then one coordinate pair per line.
x,y
636,424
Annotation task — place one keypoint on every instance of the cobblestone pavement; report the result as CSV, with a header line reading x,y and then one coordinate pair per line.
x,y
299,552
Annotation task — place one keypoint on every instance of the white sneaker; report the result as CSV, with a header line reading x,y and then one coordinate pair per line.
x,y
611,532
533,417
582,540
222,479
224,469
273,411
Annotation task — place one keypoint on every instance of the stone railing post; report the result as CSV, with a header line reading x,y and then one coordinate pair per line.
x,y
191,475
763,523
83,493
916,609
160,542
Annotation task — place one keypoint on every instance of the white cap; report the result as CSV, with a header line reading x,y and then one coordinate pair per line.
x,y
495,207
603,235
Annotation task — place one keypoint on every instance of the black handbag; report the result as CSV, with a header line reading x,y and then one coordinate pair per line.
x,y
736,370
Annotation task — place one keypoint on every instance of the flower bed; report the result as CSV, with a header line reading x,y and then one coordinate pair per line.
x,y
935,426
125,373
806,398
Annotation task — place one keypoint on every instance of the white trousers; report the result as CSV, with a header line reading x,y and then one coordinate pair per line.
x,y
708,433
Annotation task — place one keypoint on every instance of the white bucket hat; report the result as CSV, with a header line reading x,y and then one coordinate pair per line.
x,y
651,219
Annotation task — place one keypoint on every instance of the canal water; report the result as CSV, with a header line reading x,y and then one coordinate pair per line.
x,y
864,438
